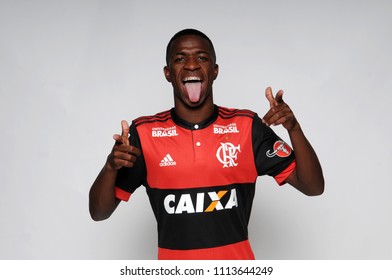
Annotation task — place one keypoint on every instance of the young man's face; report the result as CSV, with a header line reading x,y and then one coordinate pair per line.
x,y
191,70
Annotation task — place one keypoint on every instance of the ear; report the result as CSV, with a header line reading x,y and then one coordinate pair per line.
x,y
166,71
216,71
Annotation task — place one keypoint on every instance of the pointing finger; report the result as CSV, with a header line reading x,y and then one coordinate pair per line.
x,y
125,132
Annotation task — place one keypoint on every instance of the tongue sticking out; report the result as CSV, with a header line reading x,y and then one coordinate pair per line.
x,y
194,90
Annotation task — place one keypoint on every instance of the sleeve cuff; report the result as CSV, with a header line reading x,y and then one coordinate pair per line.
x,y
282,176
121,194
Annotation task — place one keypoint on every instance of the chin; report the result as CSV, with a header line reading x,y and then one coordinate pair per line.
x,y
194,105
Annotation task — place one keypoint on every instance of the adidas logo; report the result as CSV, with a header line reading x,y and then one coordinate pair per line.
x,y
167,161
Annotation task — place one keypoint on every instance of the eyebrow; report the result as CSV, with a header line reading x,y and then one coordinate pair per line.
x,y
199,52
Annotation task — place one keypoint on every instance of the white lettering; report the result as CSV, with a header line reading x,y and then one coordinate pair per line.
x,y
232,200
164,132
168,163
221,129
185,204
168,199
200,202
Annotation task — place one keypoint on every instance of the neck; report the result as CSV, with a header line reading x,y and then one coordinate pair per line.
x,y
194,114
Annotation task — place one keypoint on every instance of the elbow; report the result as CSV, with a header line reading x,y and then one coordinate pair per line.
x,y
316,192
316,188
97,218
312,186
96,215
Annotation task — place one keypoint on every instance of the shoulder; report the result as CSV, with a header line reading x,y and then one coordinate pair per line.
x,y
159,117
227,113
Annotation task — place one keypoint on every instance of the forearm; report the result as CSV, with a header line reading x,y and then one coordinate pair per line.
x,y
309,177
102,199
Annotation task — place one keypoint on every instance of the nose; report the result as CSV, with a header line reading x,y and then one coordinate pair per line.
x,y
191,63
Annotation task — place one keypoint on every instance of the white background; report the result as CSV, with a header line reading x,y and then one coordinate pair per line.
x,y
70,71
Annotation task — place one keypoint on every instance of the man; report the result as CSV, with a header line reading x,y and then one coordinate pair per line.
x,y
199,162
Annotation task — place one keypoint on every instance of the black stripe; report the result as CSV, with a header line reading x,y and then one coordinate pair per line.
x,y
182,231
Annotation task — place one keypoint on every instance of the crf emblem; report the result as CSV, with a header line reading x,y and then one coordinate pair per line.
x,y
227,154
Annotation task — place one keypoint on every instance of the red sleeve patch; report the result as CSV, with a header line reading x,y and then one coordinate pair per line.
x,y
282,176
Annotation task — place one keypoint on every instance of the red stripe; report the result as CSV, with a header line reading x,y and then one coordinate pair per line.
x,y
237,251
282,176
232,110
121,194
226,112
158,117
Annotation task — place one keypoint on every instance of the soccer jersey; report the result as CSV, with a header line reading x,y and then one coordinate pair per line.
x,y
200,179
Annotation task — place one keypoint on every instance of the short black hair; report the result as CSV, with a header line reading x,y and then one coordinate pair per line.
x,y
185,32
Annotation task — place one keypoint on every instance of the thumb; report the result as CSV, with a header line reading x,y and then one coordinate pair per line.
x,y
269,96
125,132
279,96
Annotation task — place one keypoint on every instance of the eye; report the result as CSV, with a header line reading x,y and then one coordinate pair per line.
x,y
203,58
179,59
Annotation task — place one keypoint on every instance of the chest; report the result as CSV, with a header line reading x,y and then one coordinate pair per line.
x,y
177,158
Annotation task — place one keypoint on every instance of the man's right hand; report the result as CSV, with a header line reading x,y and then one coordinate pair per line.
x,y
123,154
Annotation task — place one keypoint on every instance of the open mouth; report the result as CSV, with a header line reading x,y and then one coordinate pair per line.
x,y
193,88
191,79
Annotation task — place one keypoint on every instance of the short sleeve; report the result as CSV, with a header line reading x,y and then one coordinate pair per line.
x,y
129,179
272,155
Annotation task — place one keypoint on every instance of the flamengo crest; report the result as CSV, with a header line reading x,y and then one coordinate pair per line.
x,y
227,154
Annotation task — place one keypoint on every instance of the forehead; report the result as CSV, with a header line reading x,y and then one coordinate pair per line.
x,y
189,43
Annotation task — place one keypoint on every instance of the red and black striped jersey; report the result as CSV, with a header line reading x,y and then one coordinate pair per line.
x,y
200,179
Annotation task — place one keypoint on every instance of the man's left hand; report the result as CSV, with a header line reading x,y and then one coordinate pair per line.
x,y
279,112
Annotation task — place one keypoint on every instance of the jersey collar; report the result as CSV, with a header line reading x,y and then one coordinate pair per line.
x,y
183,123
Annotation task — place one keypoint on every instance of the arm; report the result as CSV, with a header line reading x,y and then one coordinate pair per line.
x,y
308,176
102,199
